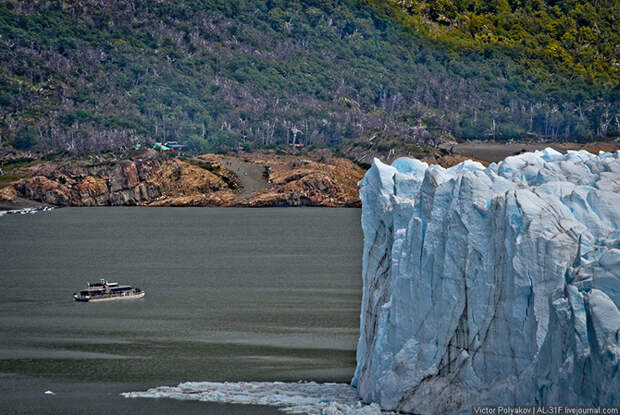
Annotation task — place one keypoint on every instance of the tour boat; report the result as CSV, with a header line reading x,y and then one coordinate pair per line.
x,y
107,291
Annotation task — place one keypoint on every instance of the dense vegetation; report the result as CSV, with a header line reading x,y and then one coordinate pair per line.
x,y
574,38
94,75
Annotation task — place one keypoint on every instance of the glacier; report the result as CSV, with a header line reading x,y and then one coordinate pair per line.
x,y
491,286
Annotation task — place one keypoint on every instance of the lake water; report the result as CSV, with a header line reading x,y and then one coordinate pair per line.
x,y
232,295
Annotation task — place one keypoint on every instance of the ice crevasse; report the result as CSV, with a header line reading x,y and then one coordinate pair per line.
x,y
497,285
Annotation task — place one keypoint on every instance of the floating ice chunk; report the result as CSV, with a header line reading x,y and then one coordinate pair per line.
x,y
26,211
294,398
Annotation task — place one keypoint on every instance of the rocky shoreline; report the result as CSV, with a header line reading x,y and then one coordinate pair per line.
x,y
148,179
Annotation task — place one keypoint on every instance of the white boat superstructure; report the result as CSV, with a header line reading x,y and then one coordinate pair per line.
x,y
108,291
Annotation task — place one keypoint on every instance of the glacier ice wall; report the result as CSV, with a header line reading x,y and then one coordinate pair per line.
x,y
496,285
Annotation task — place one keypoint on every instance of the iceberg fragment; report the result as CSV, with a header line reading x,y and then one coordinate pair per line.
x,y
308,398
496,285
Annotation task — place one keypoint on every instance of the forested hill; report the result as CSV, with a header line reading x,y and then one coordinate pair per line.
x,y
93,75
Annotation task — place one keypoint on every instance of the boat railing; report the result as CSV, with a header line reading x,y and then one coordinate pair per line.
x,y
123,293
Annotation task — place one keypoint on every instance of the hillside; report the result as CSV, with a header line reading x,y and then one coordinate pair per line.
x,y
571,38
356,76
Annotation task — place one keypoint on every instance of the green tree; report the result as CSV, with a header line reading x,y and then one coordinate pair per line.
x,y
25,139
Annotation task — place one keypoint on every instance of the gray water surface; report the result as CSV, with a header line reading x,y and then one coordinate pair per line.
x,y
232,295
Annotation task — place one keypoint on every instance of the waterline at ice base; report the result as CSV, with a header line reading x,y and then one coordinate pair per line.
x,y
482,286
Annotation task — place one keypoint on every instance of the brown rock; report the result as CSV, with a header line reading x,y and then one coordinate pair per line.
x,y
115,178
8,194
92,186
42,189
130,172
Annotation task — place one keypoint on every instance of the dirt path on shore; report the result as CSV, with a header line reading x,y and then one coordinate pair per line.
x,y
251,175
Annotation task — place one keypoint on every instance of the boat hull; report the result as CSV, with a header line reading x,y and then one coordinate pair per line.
x,y
102,298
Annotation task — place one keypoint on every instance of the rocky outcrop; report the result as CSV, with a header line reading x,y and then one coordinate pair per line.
x,y
210,180
126,183
8,194
298,181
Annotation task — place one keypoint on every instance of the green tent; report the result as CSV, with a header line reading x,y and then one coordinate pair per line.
x,y
160,147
